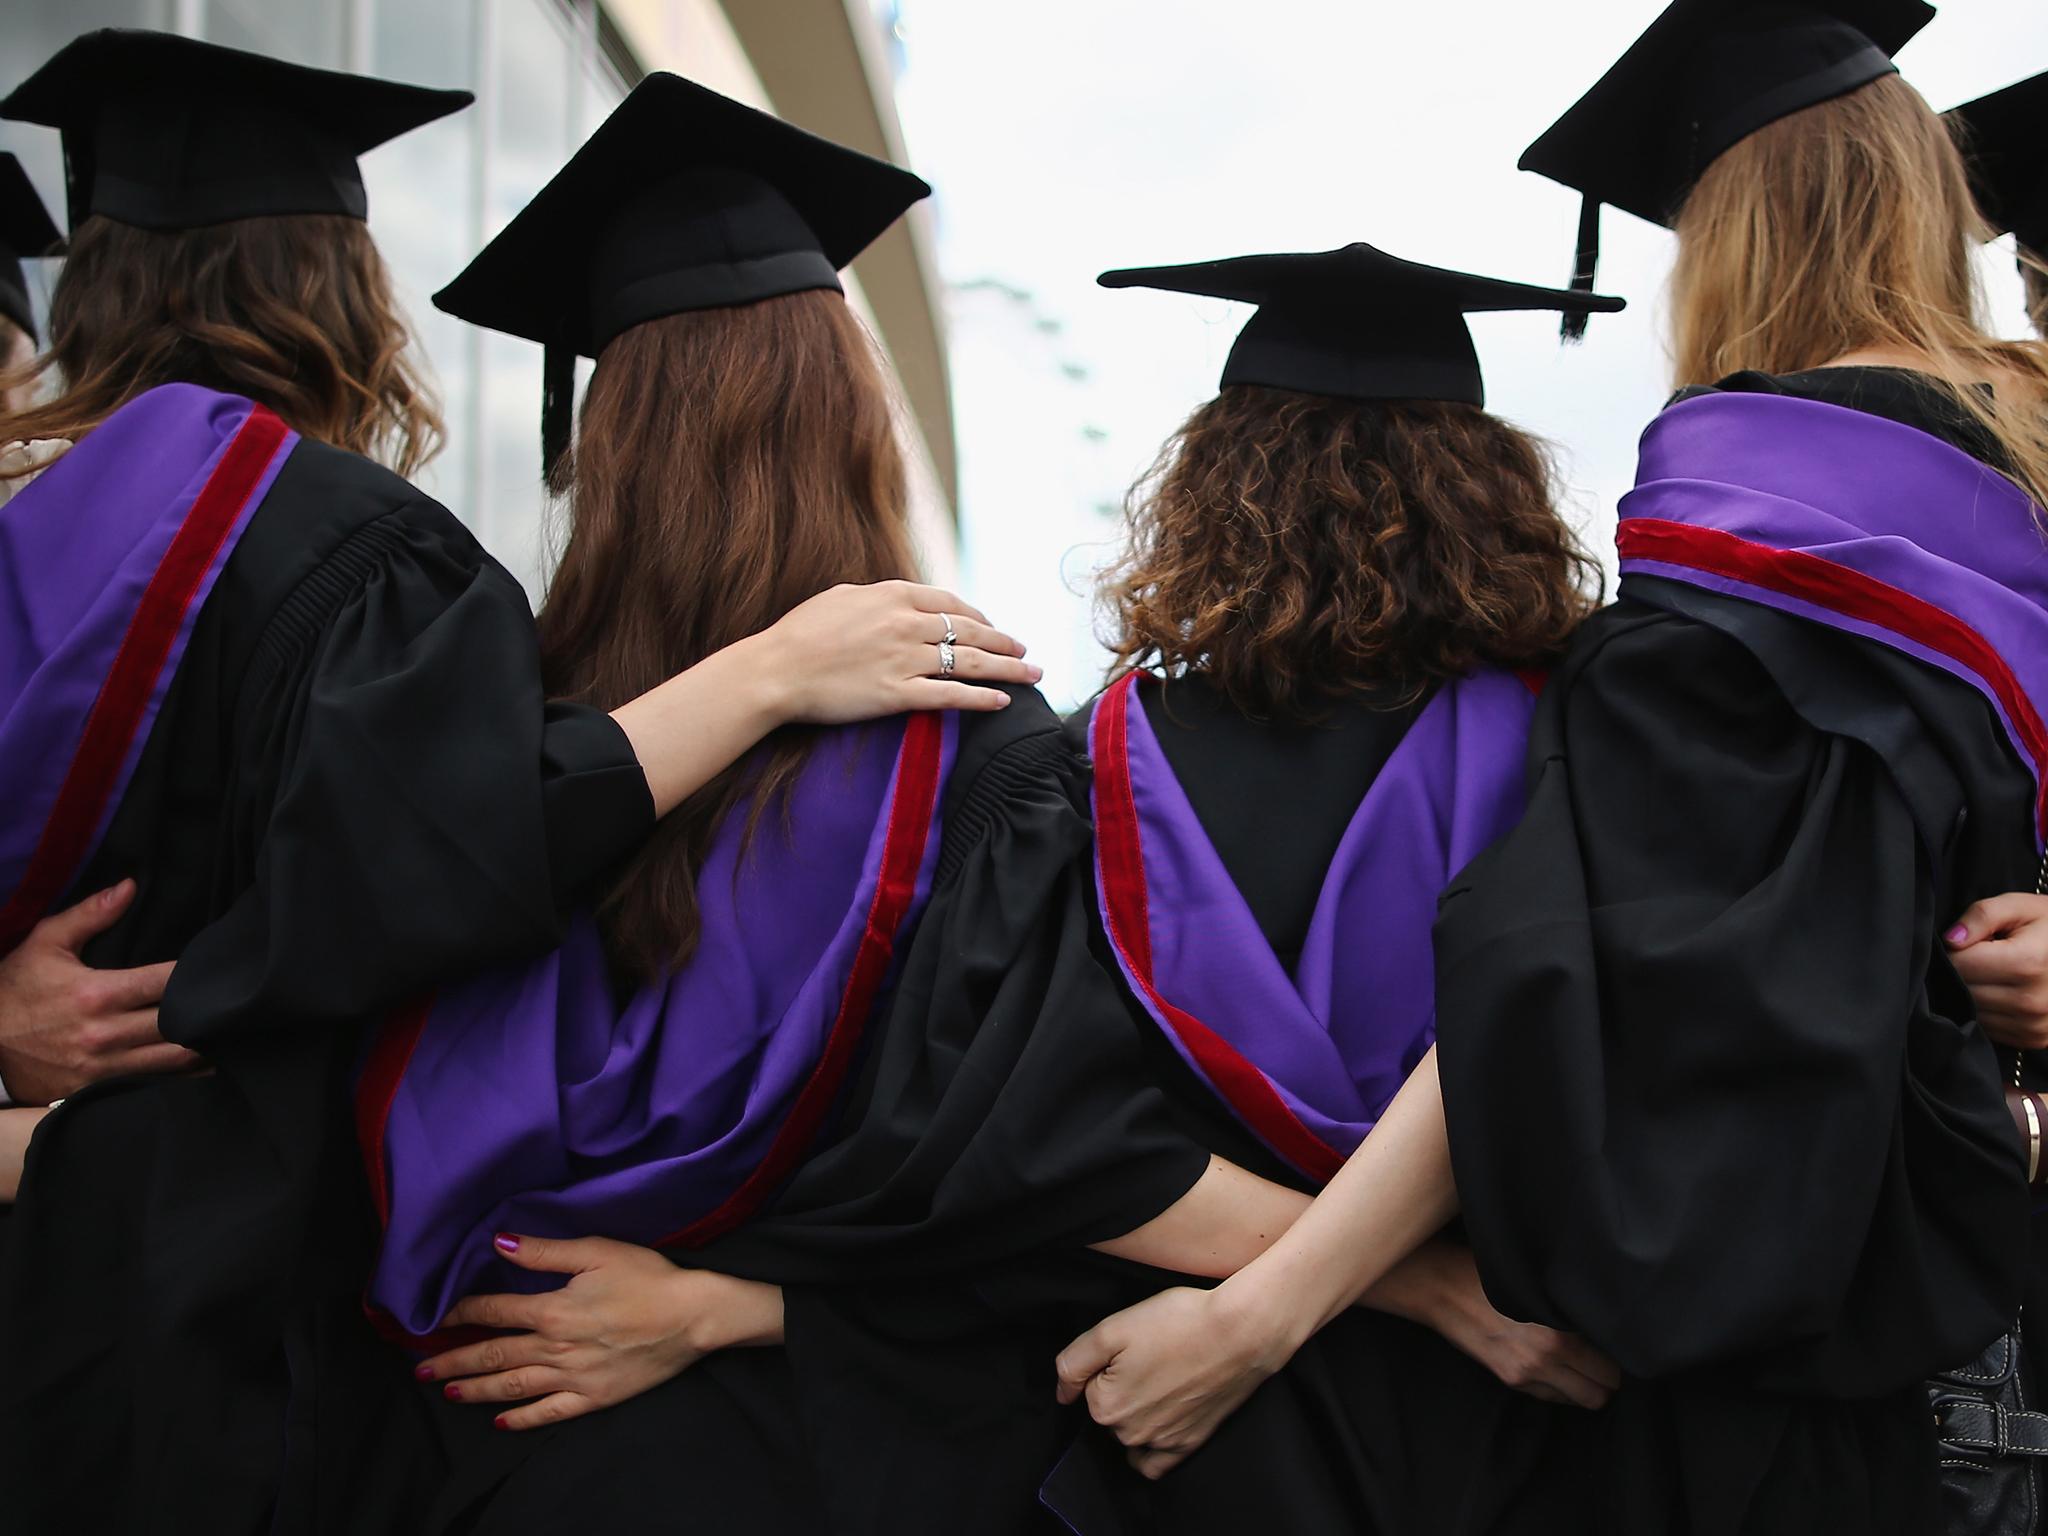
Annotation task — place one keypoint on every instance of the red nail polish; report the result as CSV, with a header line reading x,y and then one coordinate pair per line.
x,y
499,1422
423,1373
454,1392
506,1242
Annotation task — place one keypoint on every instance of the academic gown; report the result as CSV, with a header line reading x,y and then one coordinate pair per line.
x,y
1727,741
1000,1108
353,788
930,1407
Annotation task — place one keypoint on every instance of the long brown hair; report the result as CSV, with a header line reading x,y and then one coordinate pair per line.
x,y
295,312
731,464
1294,549
1850,226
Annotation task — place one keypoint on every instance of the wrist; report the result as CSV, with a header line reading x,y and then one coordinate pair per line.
x,y
766,676
1257,1309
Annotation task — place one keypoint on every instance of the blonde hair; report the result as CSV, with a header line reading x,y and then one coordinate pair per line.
x,y
1850,226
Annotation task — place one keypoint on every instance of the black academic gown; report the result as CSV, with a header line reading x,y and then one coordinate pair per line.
x,y
1719,739
1716,1097
1001,1109
353,790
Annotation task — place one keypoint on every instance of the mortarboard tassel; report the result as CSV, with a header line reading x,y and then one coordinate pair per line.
x,y
557,406
1584,265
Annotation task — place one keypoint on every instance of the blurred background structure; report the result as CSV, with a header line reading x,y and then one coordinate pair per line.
x,y
545,73
1063,137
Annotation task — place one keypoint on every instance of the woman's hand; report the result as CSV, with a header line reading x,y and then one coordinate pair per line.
x,y
853,653
1163,1375
2000,950
626,1322
1438,1287
858,653
16,1127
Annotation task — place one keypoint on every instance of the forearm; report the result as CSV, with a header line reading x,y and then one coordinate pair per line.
x,y
1395,1192
16,1126
700,722
719,1312
1225,1221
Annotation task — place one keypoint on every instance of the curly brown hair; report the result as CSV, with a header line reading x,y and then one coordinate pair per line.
x,y
296,312
1297,549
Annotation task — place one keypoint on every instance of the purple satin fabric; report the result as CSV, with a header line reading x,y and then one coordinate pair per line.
x,y
77,549
538,1102
1871,495
1338,1037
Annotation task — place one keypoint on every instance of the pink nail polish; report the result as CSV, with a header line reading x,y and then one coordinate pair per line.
x,y
506,1242
423,1372
453,1392
1957,934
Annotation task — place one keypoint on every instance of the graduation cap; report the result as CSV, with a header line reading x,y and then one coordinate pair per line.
x,y
1356,322
1707,74
2006,134
683,199
167,132
25,231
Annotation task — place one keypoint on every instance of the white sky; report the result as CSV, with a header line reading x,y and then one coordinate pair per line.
x,y
1100,133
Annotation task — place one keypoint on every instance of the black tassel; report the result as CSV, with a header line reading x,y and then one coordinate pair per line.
x,y
1584,265
557,406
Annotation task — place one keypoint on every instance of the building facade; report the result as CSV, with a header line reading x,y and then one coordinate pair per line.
x,y
545,73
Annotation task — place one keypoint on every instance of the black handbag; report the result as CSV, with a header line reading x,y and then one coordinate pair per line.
x,y
1990,1445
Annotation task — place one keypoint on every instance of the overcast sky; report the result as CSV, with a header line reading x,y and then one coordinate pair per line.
x,y
1127,132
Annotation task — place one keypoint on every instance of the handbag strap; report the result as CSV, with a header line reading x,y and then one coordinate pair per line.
x,y
1971,1424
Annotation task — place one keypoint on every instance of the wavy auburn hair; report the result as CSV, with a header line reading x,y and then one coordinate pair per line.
x,y
294,311
731,464
1295,549
1845,226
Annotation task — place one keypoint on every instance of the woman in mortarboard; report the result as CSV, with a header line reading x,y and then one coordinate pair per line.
x,y
251,667
2005,137
842,1018
1715,1096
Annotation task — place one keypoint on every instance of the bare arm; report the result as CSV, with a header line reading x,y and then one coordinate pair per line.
x,y
1225,1221
16,1126
853,653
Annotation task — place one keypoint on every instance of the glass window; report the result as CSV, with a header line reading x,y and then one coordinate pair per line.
x,y
304,34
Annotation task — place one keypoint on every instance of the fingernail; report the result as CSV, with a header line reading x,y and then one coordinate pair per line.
x,y
1036,673
1957,934
506,1242
499,1422
453,1392
423,1373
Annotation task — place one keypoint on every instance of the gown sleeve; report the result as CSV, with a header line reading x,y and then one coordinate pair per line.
x,y
410,806
1004,1106
1715,1097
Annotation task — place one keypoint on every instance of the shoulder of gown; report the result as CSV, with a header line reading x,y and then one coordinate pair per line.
x,y
1003,1105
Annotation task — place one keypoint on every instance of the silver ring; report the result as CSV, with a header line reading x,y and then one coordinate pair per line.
x,y
951,638
946,658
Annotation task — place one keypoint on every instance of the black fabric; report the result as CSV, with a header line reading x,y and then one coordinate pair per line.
x,y
2002,135
1356,323
1001,1105
1001,1112
25,231
168,132
352,791
716,1451
1717,1099
1236,771
683,199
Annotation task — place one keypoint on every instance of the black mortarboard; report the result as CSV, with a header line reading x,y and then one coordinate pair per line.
x,y
25,231
169,133
2006,134
683,199
1707,74
1356,322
